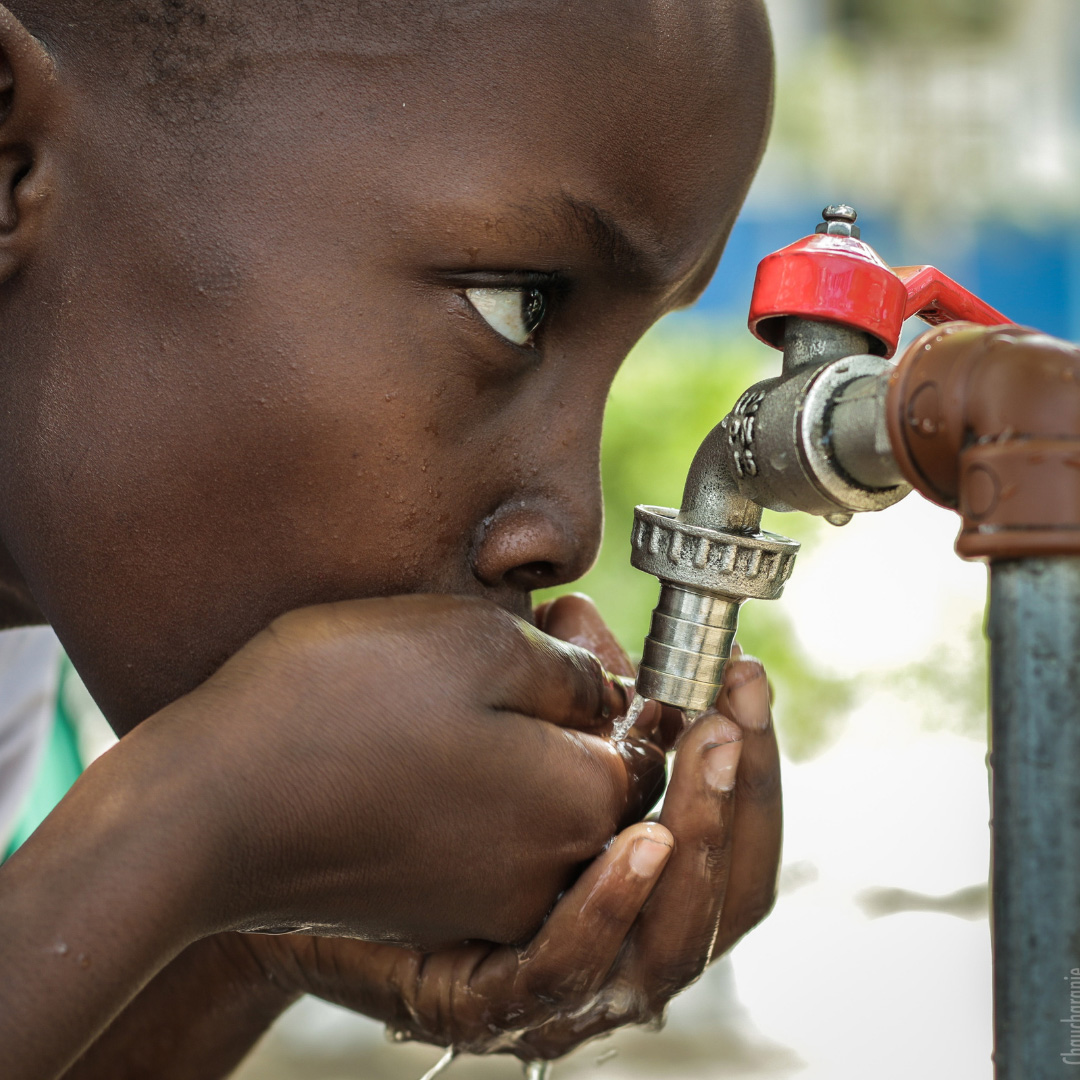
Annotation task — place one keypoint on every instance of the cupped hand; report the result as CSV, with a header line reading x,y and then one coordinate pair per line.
x,y
637,927
416,769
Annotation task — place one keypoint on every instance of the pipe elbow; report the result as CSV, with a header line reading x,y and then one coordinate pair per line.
x,y
986,421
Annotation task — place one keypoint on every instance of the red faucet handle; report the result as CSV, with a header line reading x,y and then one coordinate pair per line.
x,y
832,276
936,299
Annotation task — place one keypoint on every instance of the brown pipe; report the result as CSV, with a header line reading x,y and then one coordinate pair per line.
x,y
986,421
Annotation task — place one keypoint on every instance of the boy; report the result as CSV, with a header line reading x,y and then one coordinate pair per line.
x,y
305,303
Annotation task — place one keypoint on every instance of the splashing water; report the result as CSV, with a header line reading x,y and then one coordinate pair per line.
x,y
441,1065
623,726
537,1070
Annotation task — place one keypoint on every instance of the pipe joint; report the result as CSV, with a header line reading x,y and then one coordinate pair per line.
x,y
986,421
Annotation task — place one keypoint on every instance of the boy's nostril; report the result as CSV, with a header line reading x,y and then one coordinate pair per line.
x,y
534,575
530,547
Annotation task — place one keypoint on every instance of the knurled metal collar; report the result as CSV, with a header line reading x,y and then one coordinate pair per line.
x,y
711,560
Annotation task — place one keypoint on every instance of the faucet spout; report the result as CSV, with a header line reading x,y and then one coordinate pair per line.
x,y
711,497
774,449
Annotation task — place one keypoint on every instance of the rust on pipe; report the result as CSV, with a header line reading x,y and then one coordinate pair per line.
x,y
986,421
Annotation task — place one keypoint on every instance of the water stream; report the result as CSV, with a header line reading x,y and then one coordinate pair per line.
x,y
532,1070
441,1065
623,726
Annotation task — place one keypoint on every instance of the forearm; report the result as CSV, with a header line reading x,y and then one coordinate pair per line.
x,y
102,896
197,1017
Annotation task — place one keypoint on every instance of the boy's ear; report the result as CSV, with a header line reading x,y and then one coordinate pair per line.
x,y
30,108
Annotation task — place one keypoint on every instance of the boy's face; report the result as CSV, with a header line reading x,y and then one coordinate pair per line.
x,y
257,380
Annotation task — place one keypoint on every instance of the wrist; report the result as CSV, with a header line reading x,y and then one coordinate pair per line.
x,y
144,825
107,891
198,1017
256,967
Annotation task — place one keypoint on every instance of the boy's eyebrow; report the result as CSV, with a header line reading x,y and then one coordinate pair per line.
x,y
609,240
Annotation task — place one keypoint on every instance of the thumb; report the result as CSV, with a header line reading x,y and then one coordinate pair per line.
x,y
575,618
562,683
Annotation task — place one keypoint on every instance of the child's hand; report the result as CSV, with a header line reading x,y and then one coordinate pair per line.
x,y
605,957
574,618
416,769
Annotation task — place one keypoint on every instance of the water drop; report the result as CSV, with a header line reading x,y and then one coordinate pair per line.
x,y
537,1070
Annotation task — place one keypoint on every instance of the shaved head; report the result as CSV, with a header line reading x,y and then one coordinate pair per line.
x,y
190,47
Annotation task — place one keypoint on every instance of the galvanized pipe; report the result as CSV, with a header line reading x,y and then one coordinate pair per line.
x,y
1034,629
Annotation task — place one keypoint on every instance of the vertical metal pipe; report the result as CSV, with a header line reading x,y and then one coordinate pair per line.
x,y
1034,629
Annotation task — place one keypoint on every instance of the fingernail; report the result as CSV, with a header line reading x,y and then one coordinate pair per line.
x,y
721,763
647,856
616,695
748,695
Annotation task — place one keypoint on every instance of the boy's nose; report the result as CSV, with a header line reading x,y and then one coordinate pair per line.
x,y
533,545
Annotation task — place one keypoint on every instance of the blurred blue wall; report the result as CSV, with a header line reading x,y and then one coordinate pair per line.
x,y
1033,276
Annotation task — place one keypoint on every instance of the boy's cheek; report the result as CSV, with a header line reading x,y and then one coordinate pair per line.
x,y
280,483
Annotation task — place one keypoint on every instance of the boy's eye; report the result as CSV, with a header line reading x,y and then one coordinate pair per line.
x,y
514,313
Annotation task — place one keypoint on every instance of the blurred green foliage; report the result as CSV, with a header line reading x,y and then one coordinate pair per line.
x,y
951,686
919,19
678,383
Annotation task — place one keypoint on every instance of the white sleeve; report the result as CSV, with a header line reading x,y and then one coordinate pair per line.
x,y
29,677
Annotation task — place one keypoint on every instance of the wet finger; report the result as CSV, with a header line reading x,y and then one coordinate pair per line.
x,y
554,680
674,937
540,615
576,619
571,956
758,828
493,999
669,728
645,767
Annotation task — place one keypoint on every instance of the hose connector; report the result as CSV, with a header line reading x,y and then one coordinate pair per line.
x,y
705,576
812,439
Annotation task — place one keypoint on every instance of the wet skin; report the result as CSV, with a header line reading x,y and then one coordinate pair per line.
x,y
242,376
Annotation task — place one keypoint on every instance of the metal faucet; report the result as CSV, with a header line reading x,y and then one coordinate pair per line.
x,y
814,438
983,421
